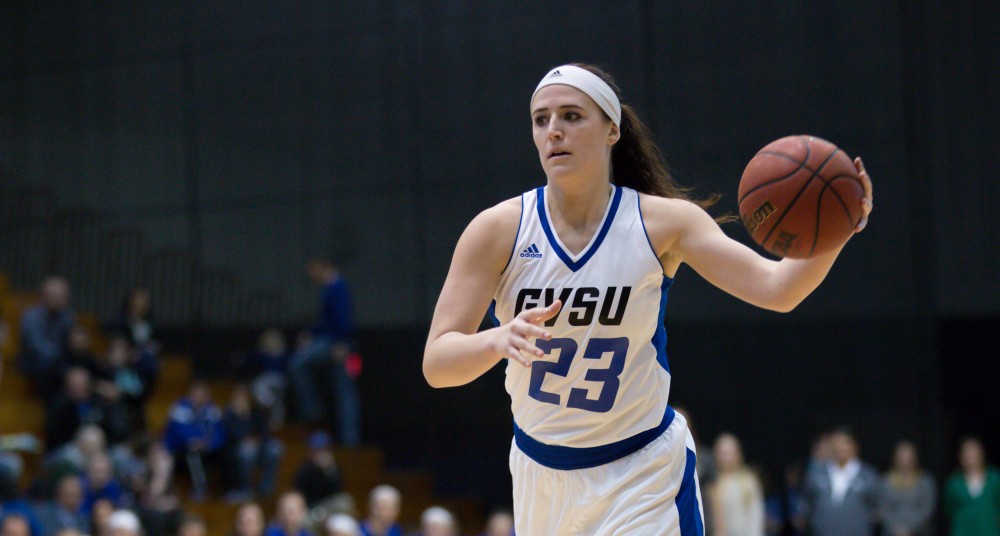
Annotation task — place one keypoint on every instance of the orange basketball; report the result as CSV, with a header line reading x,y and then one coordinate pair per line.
x,y
800,196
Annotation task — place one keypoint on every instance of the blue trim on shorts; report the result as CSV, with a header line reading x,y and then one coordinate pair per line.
x,y
567,458
687,500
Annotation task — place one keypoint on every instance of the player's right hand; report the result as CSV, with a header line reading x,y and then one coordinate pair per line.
x,y
515,340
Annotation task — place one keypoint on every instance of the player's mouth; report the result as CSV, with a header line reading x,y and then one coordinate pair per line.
x,y
558,153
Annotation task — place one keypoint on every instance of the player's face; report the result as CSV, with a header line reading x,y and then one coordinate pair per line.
x,y
572,135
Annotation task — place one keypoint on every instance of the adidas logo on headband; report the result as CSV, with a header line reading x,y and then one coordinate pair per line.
x,y
555,74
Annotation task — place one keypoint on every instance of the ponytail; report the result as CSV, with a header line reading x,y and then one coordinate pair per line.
x,y
636,161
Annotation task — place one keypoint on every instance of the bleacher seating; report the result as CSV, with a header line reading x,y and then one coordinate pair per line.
x,y
362,468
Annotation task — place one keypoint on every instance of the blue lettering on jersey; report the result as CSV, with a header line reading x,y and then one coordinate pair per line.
x,y
579,398
581,302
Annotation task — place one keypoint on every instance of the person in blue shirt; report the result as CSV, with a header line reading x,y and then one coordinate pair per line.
x,y
195,434
329,340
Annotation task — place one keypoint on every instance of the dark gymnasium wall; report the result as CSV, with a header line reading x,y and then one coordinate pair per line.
x,y
250,135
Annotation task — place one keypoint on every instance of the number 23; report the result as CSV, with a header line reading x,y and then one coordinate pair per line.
x,y
596,348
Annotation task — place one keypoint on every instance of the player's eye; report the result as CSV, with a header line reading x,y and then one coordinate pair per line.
x,y
540,120
571,116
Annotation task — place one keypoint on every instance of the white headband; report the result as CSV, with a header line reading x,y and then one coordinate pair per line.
x,y
589,83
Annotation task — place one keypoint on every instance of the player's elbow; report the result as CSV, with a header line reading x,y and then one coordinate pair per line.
x,y
433,375
784,308
784,304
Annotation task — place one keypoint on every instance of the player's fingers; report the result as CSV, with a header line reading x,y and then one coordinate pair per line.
x,y
529,349
527,330
862,224
515,354
541,314
866,181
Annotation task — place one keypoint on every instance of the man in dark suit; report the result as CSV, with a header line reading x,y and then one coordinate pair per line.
x,y
842,493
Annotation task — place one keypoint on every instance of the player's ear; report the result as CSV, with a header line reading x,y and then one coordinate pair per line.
x,y
615,134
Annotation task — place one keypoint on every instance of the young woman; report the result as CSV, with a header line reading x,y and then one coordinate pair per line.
x,y
575,276
737,495
972,493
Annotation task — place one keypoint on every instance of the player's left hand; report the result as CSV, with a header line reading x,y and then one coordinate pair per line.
x,y
868,200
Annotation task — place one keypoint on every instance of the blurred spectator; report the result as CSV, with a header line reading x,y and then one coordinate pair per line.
x,y
89,441
500,523
75,406
330,341
14,525
192,525
384,503
821,453
437,521
158,504
66,510
69,532
249,521
136,321
785,509
291,517
11,467
124,523
269,367
44,331
100,517
99,483
341,525
124,386
737,497
318,477
250,449
11,503
136,324
972,494
908,495
195,435
79,353
843,493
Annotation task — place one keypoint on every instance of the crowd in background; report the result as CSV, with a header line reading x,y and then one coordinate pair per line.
x,y
105,473
836,493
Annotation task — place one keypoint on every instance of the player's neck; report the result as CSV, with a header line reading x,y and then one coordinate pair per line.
x,y
579,204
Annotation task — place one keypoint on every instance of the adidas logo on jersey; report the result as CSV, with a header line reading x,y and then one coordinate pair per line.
x,y
531,252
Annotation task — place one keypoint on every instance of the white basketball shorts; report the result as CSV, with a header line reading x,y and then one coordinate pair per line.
x,y
651,492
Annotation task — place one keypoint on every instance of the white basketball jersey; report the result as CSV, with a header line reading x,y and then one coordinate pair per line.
x,y
600,391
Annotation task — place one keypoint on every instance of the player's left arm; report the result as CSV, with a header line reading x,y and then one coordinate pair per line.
x,y
683,232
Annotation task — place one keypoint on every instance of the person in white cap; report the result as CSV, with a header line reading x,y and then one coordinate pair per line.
x,y
437,521
342,525
574,275
124,523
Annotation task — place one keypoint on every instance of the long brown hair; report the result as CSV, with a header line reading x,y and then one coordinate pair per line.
x,y
636,161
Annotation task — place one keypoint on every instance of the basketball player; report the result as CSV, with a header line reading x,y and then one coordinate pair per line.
x,y
575,276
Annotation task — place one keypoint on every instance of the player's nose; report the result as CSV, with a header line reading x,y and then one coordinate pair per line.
x,y
554,130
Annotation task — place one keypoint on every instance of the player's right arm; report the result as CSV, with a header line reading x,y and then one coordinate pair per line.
x,y
455,353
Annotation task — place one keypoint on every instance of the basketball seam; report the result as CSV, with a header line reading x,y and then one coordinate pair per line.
x,y
796,198
802,165
779,179
819,202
